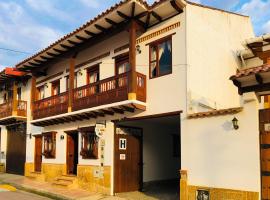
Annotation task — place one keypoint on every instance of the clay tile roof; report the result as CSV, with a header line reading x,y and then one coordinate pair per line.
x,y
90,22
250,71
215,113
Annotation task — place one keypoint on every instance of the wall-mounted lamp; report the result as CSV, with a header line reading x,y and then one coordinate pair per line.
x,y
46,85
30,135
235,123
138,49
62,137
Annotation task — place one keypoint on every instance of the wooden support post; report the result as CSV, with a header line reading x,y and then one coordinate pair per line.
x,y
183,185
132,61
14,99
33,91
71,83
268,61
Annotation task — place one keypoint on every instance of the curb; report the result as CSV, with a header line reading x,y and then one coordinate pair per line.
x,y
38,192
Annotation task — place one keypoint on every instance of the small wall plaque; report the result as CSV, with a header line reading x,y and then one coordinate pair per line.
x,y
122,156
122,143
266,127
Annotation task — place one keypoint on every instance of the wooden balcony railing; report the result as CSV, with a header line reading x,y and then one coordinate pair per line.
x,y
51,106
106,91
6,109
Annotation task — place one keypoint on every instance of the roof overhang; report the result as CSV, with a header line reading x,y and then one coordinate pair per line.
x,y
10,74
106,24
256,79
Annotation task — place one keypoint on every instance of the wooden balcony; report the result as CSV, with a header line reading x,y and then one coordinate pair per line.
x,y
8,116
106,91
51,106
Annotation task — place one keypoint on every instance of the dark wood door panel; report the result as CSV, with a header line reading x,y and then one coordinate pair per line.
x,y
38,153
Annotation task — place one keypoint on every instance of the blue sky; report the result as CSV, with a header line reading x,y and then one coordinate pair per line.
x,y
30,25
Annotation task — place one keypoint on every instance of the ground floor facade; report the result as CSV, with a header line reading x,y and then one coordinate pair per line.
x,y
183,156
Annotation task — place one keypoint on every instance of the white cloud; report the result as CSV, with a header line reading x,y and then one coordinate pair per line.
x,y
49,8
20,31
257,9
90,3
266,27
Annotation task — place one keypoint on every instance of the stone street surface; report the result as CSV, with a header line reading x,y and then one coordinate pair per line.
x,y
8,192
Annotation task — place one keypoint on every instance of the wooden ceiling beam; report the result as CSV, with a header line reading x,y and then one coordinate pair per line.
x,y
65,46
128,109
101,28
157,16
259,79
176,6
72,42
133,7
107,112
44,57
51,54
142,14
80,38
118,110
90,33
111,22
236,83
124,16
58,51
34,64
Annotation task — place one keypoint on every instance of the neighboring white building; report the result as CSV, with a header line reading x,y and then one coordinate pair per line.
x,y
139,93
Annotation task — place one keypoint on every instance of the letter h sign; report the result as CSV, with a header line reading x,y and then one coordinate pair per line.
x,y
122,143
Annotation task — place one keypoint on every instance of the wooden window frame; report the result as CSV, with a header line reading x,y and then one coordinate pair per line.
x,y
156,43
90,70
49,138
38,97
85,134
75,81
120,59
52,88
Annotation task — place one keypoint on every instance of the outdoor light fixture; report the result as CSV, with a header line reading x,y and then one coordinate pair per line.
x,y
62,137
138,49
235,123
46,85
30,135
80,72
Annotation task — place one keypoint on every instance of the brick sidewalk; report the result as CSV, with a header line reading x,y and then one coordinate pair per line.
x,y
45,189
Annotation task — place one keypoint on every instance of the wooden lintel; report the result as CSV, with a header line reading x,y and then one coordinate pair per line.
x,y
80,38
157,16
124,16
176,6
101,28
259,78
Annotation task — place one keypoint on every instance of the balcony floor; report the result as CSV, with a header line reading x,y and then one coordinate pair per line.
x,y
91,113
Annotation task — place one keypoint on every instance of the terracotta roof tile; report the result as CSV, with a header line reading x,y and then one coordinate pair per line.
x,y
250,71
215,113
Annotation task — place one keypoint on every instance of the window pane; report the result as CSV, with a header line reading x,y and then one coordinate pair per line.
x,y
153,54
165,57
153,68
123,68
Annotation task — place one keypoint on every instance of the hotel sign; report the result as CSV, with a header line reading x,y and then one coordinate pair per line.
x,y
267,127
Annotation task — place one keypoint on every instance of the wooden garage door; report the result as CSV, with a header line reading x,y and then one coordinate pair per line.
x,y
16,146
264,118
128,161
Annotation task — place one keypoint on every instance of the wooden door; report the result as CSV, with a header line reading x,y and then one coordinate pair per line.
x,y
38,153
16,151
128,159
55,87
264,118
72,153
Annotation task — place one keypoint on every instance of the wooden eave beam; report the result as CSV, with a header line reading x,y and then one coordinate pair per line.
x,y
256,88
133,7
124,16
128,109
176,6
118,110
236,83
65,46
142,14
58,51
34,64
147,19
259,79
51,54
90,33
101,28
111,22
157,16
98,114
107,112
38,61
72,42
80,38
44,57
